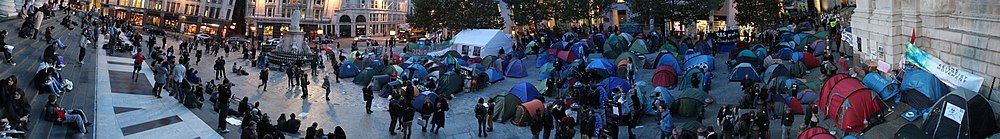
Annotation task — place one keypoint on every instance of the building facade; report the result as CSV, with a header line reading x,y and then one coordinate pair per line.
x,y
271,18
963,34
369,17
183,16
329,18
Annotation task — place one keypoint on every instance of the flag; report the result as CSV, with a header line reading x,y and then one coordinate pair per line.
x,y
913,36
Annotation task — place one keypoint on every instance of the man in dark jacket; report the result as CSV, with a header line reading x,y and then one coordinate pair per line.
x,y
264,74
481,117
368,96
311,131
220,68
223,103
394,110
292,125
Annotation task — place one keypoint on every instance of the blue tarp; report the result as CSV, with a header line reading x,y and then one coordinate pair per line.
x,y
669,60
516,70
705,61
744,70
885,87
494,75
524,91
348,70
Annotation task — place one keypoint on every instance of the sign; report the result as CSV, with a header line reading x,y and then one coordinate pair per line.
x,y
952,76
727,37
953,112
848,38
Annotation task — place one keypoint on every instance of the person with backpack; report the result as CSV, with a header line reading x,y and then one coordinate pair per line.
x,y
481,117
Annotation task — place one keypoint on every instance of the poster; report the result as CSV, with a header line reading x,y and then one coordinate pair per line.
x,y
952,76
953,112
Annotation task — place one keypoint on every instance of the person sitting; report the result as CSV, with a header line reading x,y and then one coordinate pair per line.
x,y
292,125
55,113
239,70
20,109
280,124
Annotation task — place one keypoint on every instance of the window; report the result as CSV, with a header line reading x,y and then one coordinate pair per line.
x,y
269,11
319,2
317,13
284,1
229,13
476,51
270,1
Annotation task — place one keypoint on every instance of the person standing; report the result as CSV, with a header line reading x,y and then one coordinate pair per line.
x,y
408,113
220,68
786,124
394,110
225,93
304,82
326,87
336,68
481,117
7,50
547,124
82,54
264,74
137,64
536,125
179,72
368,96
438,120
160,75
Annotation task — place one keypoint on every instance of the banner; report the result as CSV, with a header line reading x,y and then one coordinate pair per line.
x,y
727,37
952,76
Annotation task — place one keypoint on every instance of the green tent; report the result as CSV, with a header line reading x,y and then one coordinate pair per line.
x,y
488,61
450,83
639,46
530,46
689,103
394,69
505,106
669,47
636,62
614,45
365,77
822,34
685,81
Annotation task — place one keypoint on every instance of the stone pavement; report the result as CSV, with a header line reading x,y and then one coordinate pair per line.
x,y
126,109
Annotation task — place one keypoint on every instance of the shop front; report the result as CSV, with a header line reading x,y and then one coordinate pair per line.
x,y
189,25
171,23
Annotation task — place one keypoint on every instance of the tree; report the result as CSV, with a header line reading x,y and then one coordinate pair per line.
x,y
526,12
454,14
673,10
762,14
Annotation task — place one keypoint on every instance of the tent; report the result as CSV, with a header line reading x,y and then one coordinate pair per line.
x,y
818,46
424,97
614,46
636,61
669,47
524,91
685,81
416,71
690,103
784,53
543,73
487,42
506,105
523,115
566,56
348,70
920,89
848,102
647,100
394,69
365,77
775,70
807,96
639,46
516,69
450,83
488,61
543,58
748,56
794,105
816,133
961,114
743,71
910,131
579,49
603,66
611,83
494,75
795,68
810,60
883,85
380,81
706,62
664,76
668,60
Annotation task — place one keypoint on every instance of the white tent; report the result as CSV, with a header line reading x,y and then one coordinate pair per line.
x,y
481,42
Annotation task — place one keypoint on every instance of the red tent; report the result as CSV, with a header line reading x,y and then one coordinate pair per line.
x,y
809,60
664,76
793,105
842,62
816,133
566,56
848,102
552,51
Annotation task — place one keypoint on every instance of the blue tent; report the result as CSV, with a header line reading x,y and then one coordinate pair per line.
x,y
377,65
703,47
544,71
477,68
744,70
494,75
807,96
921,89
704,61
419,100
524,91
885,87
760,50
614,82
669,60
542,59
579,49
516,70
603,66
666,122
664,95
416,71
796,56
348,70
785,53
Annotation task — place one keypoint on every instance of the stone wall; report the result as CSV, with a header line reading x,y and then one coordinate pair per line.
x,y
963,33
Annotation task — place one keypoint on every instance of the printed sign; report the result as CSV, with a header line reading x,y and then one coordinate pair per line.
x,y
727,37
954,112
952,76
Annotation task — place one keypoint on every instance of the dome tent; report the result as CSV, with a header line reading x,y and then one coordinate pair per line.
x,y
961,114
848,102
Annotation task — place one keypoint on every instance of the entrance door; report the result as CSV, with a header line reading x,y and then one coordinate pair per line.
x,y
345,31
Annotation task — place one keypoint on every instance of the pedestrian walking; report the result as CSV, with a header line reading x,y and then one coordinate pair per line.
x,y
264,74
438,119
160,75
82,54
536,126
368,96
220,68
408,113
481,117
137,64
8,50
304,82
